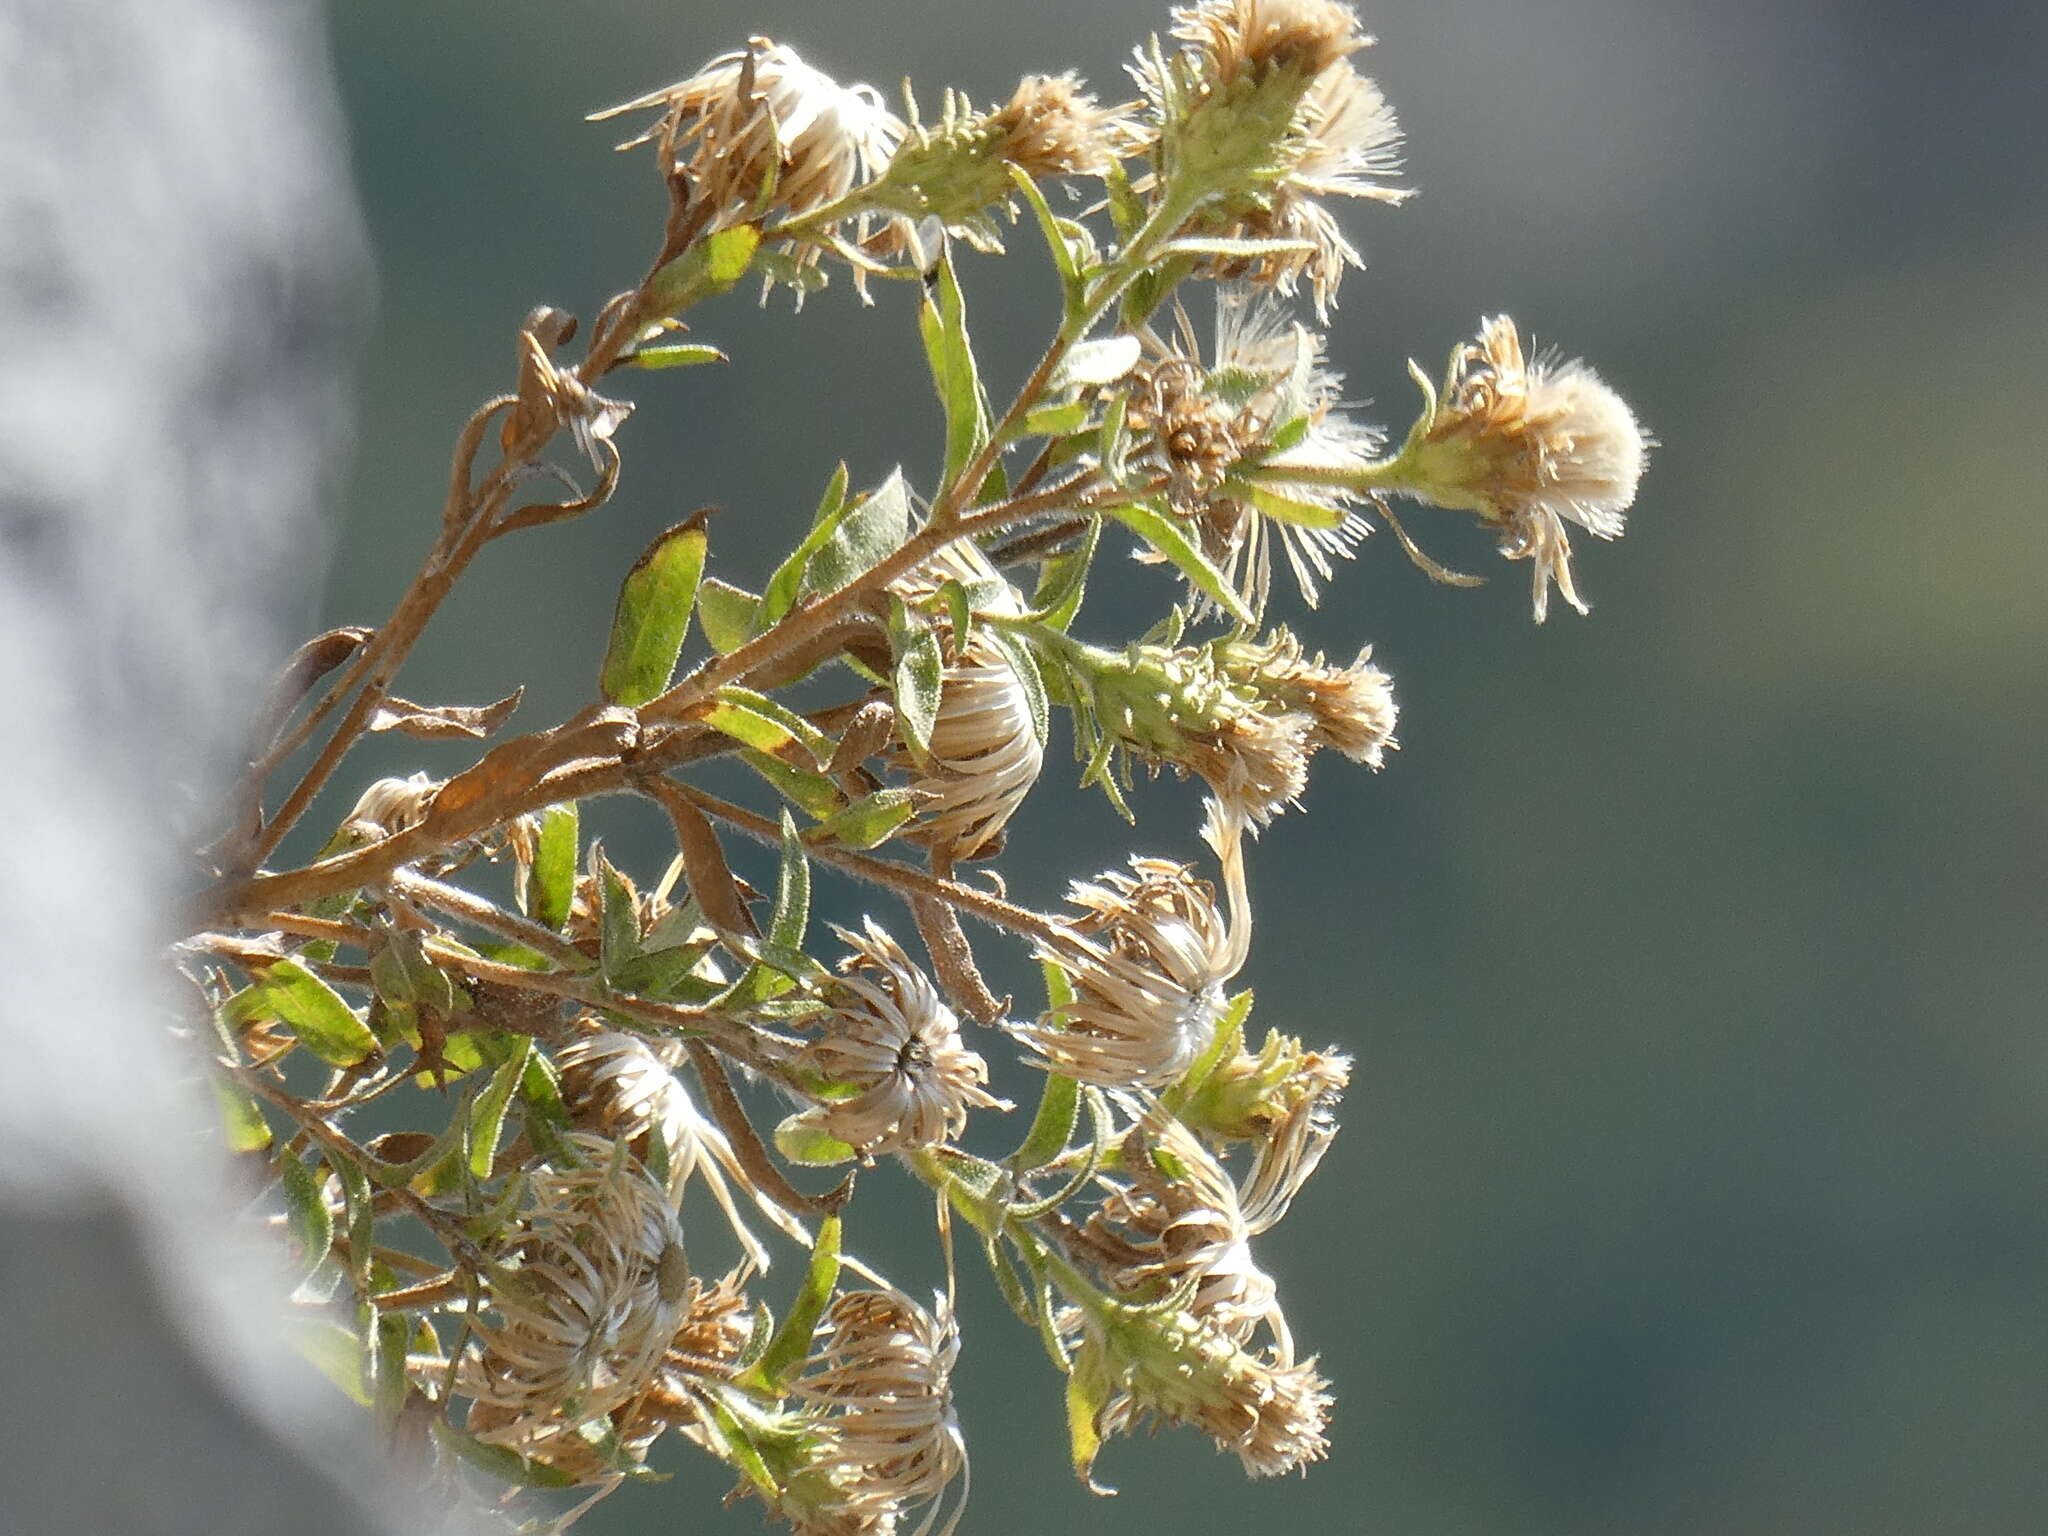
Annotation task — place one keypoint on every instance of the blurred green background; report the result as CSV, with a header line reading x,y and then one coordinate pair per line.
x,y
1692,955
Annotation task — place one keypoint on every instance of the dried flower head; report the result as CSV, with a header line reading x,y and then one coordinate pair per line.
x,y
1053,126
588,1291
1350,147
1529,446
890,1039
389,807
759,128
1231,439
1147,959
1282,1099
1173,1227
956,170
1234,39
1145,1365
880,1381
1350,709
986,749
625,1088
985,754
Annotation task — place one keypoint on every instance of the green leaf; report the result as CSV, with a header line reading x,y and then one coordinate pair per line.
x,y
551,884
1164,535
618,929
792,891
804,788
804,1143
919,677
652,618
1286,509
1058,1108
306,1214
1102,361
1017,652
1057,244
680,355
727,613
786,584
762,723
874,527
1064,580
1055,420
791,1345
242,1124
389,1387
495,1461
1088,1393
333,1350
487,1114
315,1013
868,822
942,322
708,268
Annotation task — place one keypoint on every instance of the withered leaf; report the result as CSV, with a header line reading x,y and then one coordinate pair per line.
x,y
444,722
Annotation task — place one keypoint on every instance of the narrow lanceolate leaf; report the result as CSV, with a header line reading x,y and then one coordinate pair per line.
x,y
805,788
306,1213
551,884
875,526
1064,581
943,324
727,613
242,1124
762,723
1099,362
918,679
653,615
1052,1126
803,1143
1164,535
618,929
333,1350
1017,652
783,588
791,1345
708,268
442,722
868,822
679,355
1286,509
792,891
1057,245
315,1012
487,1115
1235,250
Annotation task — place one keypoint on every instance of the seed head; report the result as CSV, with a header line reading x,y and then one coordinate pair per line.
x,y
880,1384
1171,1368
1173,1227
1282,1099
1350,709
890,1037
1529,447
391,806
1147,958
588,1293
625,1088
759,128
1226,437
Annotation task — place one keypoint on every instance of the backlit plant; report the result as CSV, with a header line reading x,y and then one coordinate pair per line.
x,y
590,1074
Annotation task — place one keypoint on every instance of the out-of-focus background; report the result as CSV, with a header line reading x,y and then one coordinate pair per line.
x,y
1695,1179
